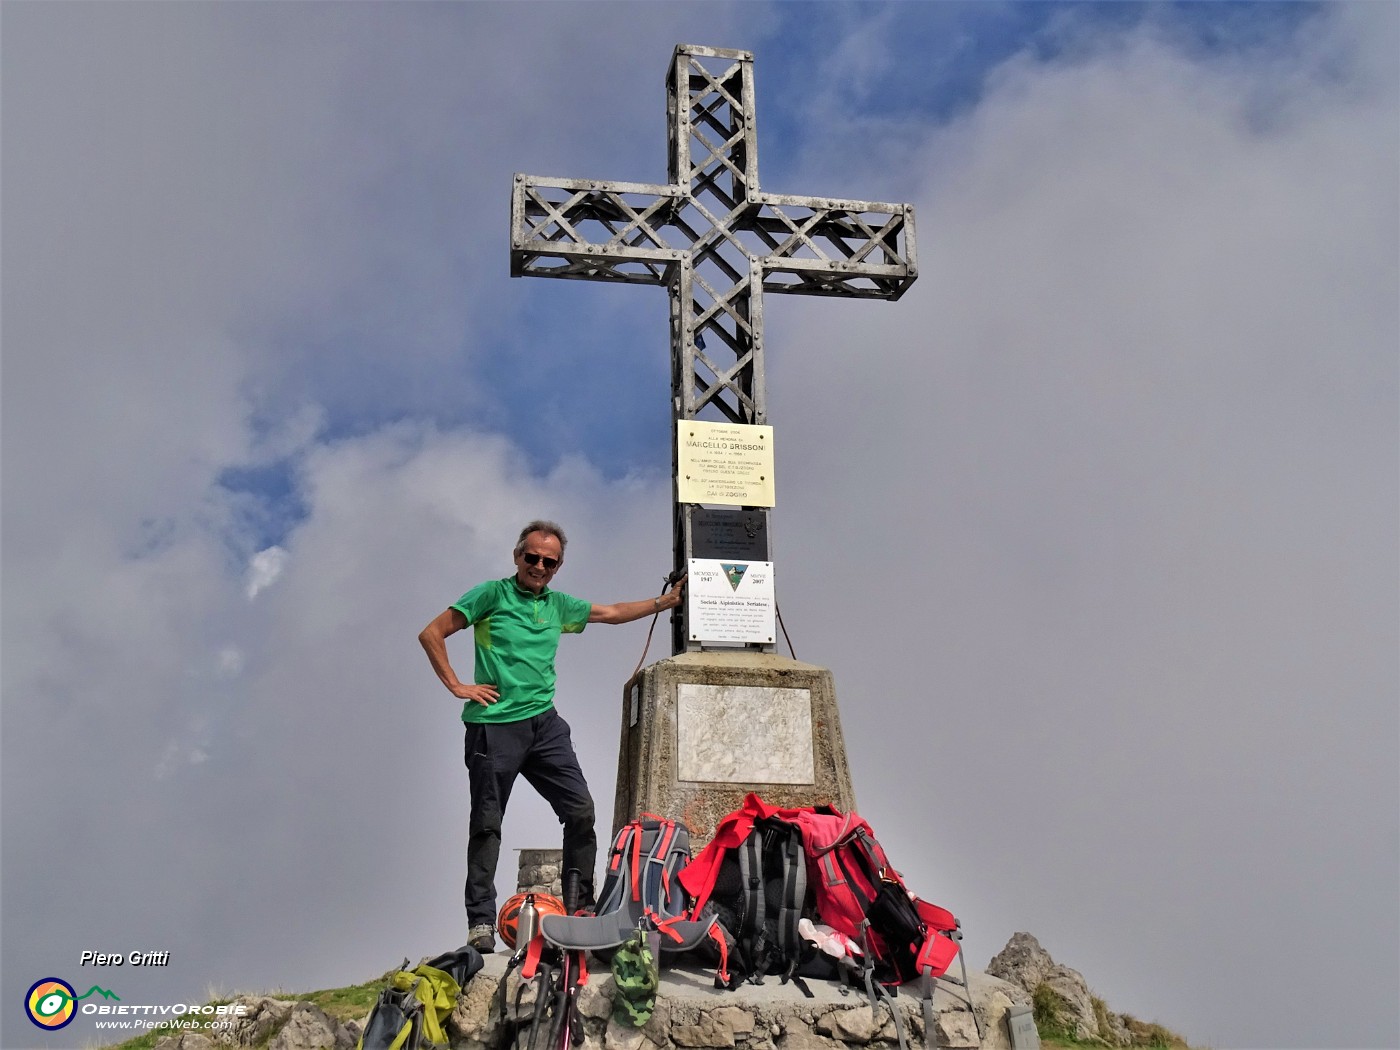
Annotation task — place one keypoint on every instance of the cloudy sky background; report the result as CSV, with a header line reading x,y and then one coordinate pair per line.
x,y
1096,527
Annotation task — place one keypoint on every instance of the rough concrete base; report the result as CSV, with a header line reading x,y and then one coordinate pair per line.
x,y
692,1013
649,765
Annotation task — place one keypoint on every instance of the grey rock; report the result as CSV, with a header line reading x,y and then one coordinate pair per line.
x,y
311,1028
1118,1033
997,1005
800,1037
957,1032
625,1037
263,1016
1024,963
710,1032
658,1028
740,1022
858,1024
595,999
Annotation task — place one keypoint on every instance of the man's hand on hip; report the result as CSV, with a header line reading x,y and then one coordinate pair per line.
x,y
485,695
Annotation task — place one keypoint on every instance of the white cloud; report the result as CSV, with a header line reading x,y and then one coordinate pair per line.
x,y
264,568
178,754
231,661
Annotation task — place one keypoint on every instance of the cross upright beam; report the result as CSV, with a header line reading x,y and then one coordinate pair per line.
x,y
717,242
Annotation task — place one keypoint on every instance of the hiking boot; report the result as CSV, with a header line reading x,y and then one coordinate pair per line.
x,y
482,938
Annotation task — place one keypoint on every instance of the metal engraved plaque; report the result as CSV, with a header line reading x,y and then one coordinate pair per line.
x,y
729,535
739,734
724,463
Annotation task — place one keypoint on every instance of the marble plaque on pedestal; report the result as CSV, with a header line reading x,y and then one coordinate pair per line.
x,y
735,734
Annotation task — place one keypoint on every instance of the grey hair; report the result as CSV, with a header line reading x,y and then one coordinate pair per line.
x,y
548,527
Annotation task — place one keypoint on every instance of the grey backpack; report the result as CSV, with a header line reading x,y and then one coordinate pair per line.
x,y
640,890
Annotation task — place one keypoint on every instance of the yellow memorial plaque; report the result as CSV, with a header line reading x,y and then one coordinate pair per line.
x,y
726,463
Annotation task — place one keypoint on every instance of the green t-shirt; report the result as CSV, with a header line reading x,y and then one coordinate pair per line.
x,y
516,633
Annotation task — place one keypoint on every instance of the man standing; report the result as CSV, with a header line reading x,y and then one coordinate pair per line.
x,y
512,727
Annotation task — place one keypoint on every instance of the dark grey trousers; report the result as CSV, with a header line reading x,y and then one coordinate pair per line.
x,y
541,750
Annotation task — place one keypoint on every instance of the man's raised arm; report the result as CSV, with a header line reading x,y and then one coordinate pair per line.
x,y
626,612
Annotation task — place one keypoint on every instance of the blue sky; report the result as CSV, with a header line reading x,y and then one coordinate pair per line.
x,y
1096,527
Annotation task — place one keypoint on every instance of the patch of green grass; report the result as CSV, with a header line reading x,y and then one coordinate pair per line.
x,y
1053,1017
344,1004
1054,1021
1100,1013
1150,1033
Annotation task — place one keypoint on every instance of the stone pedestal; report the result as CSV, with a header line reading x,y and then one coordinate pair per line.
x,y
700,730
541,871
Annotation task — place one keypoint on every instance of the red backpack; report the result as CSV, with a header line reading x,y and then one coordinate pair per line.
x,y
861,895
857,891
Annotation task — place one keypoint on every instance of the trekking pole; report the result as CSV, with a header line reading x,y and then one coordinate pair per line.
x,y
559,1035
544,978
570,1031
559,1022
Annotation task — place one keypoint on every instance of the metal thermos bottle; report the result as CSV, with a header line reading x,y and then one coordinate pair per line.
x,y
528,924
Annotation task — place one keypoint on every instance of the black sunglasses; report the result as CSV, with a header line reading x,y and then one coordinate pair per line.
x,y
535,559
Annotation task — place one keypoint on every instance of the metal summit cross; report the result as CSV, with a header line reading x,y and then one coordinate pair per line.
x,y
717,242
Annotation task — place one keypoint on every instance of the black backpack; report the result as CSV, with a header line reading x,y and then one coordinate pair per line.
x,y
760,895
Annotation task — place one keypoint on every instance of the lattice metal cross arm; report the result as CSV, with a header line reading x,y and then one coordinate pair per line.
x,y
590,230
815,246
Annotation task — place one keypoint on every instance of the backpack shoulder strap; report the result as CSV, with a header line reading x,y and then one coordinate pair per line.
x,y
750,854
794,876
619,881
663,897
